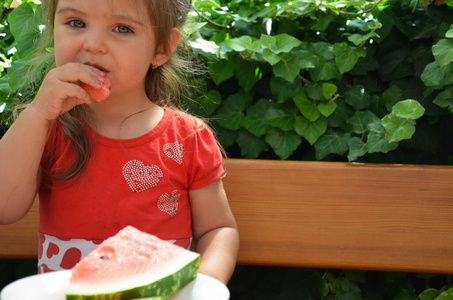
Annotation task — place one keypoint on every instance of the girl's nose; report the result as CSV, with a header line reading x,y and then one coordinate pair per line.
x,y
95,44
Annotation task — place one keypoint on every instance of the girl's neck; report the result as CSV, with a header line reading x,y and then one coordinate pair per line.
x,y
124,119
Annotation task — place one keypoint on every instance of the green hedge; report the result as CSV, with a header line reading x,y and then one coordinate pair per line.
x,y
310,80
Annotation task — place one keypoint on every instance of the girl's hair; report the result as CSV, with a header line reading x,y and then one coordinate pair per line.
x,y
165,85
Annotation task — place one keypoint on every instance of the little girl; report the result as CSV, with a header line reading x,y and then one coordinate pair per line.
x,y
132,159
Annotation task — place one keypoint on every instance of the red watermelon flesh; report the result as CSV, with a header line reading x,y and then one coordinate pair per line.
x,y
133,264
98,94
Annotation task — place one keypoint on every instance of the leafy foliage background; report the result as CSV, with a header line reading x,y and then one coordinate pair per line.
x,y
367,81
346,80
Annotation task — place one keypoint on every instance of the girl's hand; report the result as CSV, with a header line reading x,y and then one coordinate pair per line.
x,y
60,92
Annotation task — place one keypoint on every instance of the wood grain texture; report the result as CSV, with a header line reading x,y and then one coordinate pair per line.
x,y
20,239
342,215
324,215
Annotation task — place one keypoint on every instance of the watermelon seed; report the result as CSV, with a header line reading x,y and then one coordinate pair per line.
x,y
104,257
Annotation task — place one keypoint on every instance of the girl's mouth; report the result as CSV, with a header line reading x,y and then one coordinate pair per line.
x,y
97,67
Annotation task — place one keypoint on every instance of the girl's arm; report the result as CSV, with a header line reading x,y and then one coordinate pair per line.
x,y
215,232
22,146
20,153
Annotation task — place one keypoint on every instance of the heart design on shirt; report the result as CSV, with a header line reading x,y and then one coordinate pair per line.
x,y
140,177
169,204
52,250
174,151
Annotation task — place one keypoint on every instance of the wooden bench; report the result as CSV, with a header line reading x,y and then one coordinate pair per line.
x,y
324,215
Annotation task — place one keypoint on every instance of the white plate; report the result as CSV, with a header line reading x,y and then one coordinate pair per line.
x,y
52,286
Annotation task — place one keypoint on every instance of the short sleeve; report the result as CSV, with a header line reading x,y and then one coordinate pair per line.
x,y
207,159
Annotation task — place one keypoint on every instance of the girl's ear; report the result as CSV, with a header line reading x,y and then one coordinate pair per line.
x,y
161,56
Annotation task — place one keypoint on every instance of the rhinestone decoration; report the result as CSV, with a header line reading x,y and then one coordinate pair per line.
x,y
174,151
140,177
169,203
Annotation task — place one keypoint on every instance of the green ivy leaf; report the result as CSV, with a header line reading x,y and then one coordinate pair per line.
x,y
284,143
328,90
449,34
429,294
20,76
284,90
376,126
315,91
447,295
250,145
357,98
357,148
341,285
227,137
397,129
332,142
358,39
321,49
5,89
247,75
326,109
267,41
285,43
288,67
360,121
192,27
207,48
410,109
24,25
291,64
443,52
340,116
253,122
307,108
231,112
391,96
346,57
311,131
208,3
221,70
271,57
325,70
205,105
445,99
377,142
240,44
281,116
434,75
308,59
269,54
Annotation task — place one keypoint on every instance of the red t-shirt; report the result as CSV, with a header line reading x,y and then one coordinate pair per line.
x,y
143,182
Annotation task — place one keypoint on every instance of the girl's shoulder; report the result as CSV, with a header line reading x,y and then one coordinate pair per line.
x,y
186,120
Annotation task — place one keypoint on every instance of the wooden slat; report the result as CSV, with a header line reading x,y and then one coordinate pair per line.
x,y
20,239
341,215
324,214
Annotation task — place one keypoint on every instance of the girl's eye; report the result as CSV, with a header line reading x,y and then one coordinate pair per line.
x,y
123,29
76,24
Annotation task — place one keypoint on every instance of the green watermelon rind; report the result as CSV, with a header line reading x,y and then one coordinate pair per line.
x,y
162,288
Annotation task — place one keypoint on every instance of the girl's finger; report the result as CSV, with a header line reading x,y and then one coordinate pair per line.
x,y
75,72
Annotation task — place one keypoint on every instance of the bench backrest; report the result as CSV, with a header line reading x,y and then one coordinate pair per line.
x,y
324,215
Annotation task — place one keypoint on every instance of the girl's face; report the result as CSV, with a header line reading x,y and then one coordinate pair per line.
x,y
115,36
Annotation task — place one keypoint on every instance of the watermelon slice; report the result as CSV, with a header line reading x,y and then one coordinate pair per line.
x,y
133,264
98,94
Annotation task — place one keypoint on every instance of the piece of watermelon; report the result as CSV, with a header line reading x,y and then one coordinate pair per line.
x,y
133,264
98,94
